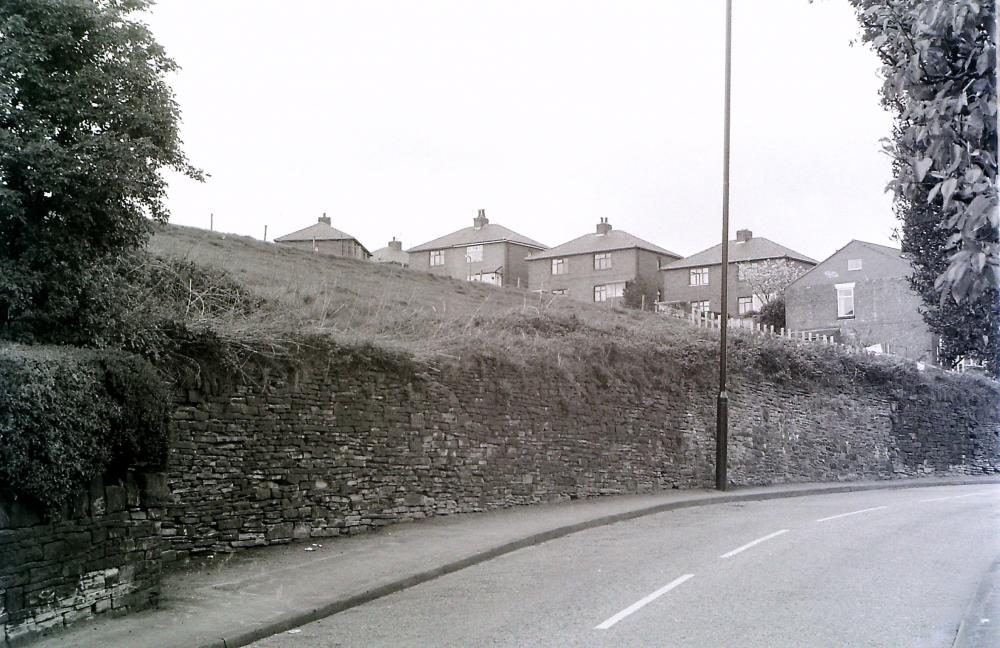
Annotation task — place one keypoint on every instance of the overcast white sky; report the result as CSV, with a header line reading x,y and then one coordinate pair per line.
x,y
404,118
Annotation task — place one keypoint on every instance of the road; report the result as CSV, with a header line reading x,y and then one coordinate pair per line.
x,y
875,568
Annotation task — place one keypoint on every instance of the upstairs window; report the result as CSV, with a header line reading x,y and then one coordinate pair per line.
x,y
559,266
602,261
853,264
845,300
474,253
699,276
437,258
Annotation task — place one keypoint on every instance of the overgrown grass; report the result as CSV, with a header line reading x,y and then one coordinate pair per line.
x,y
271,297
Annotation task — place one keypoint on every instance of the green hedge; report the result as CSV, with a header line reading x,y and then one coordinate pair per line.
x,y
68,415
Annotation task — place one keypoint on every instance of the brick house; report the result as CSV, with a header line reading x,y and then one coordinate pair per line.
x,y
323,238
485,252
595,267
392,253
693,283
861,295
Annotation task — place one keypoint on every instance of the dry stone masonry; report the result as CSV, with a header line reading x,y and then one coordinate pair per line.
x,y
342,441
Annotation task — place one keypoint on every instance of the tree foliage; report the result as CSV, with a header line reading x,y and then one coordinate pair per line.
x,y
939,63
87,122
767,278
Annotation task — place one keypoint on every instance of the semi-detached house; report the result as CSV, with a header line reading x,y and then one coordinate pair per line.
x,y
694,283
596,267
485,252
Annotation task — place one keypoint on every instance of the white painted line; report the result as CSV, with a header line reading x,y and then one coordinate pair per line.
x,y
938,499
834,517
642,602
751,544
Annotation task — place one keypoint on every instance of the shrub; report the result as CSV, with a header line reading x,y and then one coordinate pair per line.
x,y
70,415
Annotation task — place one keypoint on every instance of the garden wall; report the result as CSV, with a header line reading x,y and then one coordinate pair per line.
x,y
104,555
346,441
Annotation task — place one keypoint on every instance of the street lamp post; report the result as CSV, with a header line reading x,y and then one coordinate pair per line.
x,y
722,406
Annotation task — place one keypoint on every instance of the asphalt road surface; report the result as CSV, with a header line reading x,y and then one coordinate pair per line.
x,y
875,568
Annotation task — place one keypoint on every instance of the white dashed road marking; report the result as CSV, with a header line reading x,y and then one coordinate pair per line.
x,y
834,517
732,553
938,499
642,602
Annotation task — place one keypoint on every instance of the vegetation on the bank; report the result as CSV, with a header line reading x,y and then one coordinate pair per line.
x,y
68,416
939,63
87,123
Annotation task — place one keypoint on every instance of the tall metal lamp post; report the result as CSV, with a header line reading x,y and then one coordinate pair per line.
x,y
722,406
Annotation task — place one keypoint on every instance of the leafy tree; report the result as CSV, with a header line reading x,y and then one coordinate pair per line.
x,y
772,313
767,278
87,122
639,294
939,63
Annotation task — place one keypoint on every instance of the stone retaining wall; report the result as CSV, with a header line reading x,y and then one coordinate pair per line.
x,y
103,556
342,446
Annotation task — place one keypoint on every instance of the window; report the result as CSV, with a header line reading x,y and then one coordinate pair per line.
x,y
699,307
492,278
853,264
437,258
845,300
559,266
744,305
602,261
609,291
699,276
559,291
474,253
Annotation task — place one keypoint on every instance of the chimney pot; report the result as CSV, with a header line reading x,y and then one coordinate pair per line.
x,y
603,227
743,235
324,219
480,220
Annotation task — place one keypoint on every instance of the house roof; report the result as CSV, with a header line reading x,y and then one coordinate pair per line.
x,y
487,233
390,254
317,231
594,242
754,249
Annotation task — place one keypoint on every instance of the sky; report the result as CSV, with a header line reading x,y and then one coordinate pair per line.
x,y
402,119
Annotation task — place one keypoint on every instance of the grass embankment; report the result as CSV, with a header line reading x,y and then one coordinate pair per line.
x,y
266,295
386,305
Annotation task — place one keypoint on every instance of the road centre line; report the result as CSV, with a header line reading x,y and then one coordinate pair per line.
x,y
834,517
732,553
642,602
938,499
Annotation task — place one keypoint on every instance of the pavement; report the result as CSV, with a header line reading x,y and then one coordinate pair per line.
x,y
231,600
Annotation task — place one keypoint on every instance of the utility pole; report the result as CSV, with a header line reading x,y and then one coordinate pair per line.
x,y
211,222
722,408
265,233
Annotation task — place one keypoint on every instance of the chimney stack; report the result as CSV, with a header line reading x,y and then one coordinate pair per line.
x,y
324,218
603,227
396,245
743,235
480,220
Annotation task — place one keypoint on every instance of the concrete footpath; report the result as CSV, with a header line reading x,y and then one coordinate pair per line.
x,y
234,599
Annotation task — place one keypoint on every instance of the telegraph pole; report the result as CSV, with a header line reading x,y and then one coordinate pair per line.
x,y
722,407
